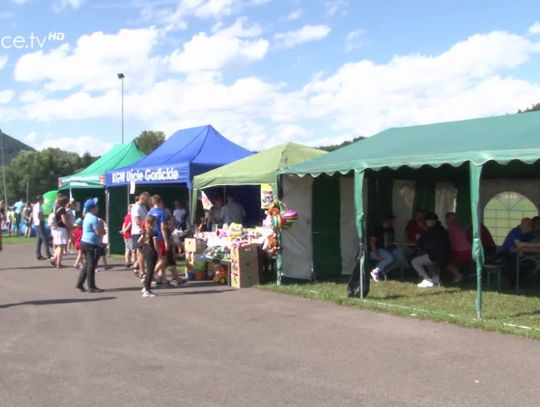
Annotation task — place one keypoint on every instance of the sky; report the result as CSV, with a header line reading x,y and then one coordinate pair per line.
x,y
262,72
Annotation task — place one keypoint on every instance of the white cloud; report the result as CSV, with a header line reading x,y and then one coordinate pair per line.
x,y
94,62
61,5
354,40
3,61
19,1
336,7
77,144
233,46
471,79
6,96
305,34
203,9
294,15
464,82
535,28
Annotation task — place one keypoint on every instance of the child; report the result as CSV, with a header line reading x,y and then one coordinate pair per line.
x,y
149,250
10,220
77,235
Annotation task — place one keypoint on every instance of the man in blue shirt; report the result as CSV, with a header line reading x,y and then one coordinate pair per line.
x,y
521,233
517,237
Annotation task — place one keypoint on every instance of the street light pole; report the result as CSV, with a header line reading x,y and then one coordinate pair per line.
x,y
121,77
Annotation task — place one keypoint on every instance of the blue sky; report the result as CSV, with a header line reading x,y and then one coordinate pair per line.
x,y
262,72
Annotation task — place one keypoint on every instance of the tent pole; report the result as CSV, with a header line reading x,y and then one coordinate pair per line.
x,y
360,227
107,202
475,172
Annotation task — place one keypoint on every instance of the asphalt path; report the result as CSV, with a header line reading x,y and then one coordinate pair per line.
x,y
206,345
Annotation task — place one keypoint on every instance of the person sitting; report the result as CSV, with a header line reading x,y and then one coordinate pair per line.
x,y
518,237
416,228
383,249
436,246
536,229
460,244
232,212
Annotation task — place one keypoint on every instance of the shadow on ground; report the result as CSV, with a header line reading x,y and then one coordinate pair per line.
x,y
57,301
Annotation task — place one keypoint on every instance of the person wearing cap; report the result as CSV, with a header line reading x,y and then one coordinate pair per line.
x,y
383,249
435,244
91,240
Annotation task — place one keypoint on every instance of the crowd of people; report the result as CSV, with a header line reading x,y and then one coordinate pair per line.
x,y
429,248
13,217
147,230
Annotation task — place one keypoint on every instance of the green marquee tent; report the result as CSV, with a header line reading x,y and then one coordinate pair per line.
x,y
93,176
260,168
91,182
504,146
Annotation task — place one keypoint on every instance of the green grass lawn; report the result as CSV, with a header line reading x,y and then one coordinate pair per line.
x,y
503,311
17,240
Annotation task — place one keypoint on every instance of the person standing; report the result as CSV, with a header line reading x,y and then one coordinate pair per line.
x,y
126,234
138,216
214,215
160,227
93,231
41,233
27,219
17,209
150,255
232,212
71,217
61,230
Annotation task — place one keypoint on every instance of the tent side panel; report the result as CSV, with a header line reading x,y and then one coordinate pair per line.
x,y
297,248
348,233
326,227
117,211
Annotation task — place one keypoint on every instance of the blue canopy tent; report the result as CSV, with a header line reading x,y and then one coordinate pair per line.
x,y
186,153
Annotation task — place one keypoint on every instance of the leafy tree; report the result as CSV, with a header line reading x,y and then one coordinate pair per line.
x,y
149,140
337,146
40,170
533,108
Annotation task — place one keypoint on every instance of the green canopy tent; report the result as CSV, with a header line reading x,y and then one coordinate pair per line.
x,y
461,152
91,182
257,169
93,176
260,168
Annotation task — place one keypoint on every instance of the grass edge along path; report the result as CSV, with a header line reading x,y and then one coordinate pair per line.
x,y
504,312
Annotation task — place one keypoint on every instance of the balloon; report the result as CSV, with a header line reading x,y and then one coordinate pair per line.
x,y
48,201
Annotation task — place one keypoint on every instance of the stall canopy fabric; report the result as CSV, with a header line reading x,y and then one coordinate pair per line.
x,y
185,154
260,168
502,139
93,176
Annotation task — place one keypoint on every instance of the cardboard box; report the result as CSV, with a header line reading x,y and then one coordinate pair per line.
x,y
245,266
193,245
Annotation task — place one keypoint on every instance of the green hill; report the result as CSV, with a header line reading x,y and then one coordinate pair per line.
x,y
12,147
